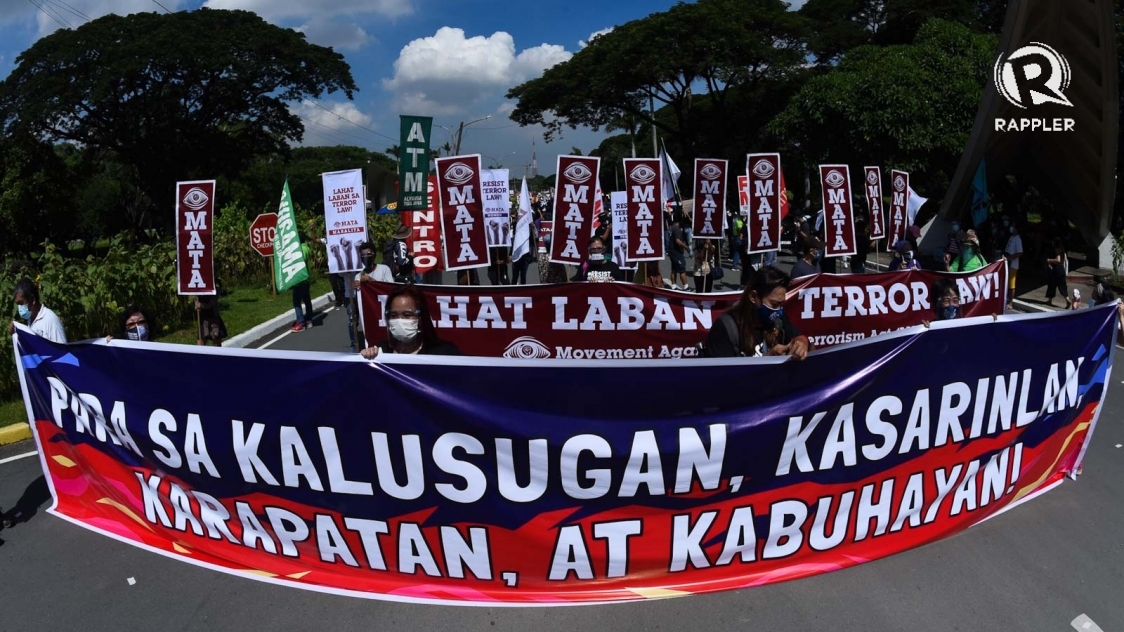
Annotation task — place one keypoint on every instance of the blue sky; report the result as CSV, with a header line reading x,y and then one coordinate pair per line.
x,y
450,59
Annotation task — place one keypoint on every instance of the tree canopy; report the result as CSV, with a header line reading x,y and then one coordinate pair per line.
x,y
712,46
170,96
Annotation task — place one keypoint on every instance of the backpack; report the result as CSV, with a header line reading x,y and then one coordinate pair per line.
x,y
731,331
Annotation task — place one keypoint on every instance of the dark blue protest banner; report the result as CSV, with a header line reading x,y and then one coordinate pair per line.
x,y
464,480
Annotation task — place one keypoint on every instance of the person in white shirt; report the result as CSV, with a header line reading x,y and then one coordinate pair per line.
x,y
41,320
371,272
1012,253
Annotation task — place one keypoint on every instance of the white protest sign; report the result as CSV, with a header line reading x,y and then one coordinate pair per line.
x,y
497,207
345,217
619,201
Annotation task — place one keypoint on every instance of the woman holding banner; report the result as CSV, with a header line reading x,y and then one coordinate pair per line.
x,y
409,327
705,261
756,326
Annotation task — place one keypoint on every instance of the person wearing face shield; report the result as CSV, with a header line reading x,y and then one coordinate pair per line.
x,y
756,326
409,327
39,318
904,257
599,267
134,324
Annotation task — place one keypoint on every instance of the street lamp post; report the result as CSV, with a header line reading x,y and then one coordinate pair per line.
x,y
460,133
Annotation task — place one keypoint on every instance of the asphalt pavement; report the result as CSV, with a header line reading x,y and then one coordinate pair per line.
x,y
1039,566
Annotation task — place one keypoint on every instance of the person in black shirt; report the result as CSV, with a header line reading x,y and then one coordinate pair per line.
x,y
806,265
756,325
410,327
600,267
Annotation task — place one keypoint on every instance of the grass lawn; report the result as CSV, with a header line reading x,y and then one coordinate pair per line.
x,y
246,307
12,413
242,309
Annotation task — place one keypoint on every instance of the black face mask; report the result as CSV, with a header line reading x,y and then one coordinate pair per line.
x,y
368,261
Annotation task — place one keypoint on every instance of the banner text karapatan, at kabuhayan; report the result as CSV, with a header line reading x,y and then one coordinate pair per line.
x,y
433,487
633,322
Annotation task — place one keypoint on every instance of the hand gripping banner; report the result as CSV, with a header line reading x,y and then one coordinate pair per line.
x,y
415,483
633,322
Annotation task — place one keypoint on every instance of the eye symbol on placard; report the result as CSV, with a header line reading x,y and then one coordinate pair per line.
x,y
578,173
642,174
764,169
526,348
459,173
872,177
195,199
899,184
711,171
834,179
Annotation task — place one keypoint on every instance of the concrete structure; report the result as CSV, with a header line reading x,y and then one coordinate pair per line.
x,y
1075,169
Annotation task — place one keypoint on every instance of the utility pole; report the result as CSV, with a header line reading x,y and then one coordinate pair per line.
x,y
652,109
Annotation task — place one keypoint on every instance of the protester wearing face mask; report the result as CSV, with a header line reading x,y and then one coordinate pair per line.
x,y
806,265
38,317
371,272
756,326
1012,253
409,327
134,324
904,258
705,261
946,300
970,258
599,267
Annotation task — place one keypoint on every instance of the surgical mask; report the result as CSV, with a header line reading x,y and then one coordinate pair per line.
x,y
403,329
140,332
956,228
768,314
25,311
599,254
950,313
1012,230
1006,223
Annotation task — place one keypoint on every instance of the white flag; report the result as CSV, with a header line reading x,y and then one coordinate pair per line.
x,y
523,225
670,176
913,205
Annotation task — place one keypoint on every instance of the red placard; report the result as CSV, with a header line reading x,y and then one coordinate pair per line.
x,y
425,240
643,184
899,196
263,231
710,198
874,202
839,216
462,213
764,186
575,197
195,246
743,195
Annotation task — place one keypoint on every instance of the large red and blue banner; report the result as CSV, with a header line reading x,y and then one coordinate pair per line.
x,y
464,480
634,322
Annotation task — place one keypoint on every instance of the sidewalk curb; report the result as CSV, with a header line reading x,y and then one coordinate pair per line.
x,y
15,433
261,331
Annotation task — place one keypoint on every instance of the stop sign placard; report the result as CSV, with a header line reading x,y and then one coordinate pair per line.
x,y
262,233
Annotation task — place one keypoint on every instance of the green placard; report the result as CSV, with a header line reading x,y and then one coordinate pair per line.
x,y
289,265
413,163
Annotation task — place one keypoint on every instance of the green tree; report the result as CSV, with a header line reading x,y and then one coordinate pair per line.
x,y
906,106
174,96
723,45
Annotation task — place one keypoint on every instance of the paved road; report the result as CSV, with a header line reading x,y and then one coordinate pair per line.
x,y
1037,567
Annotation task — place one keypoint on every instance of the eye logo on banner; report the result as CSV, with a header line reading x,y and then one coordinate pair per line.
x,y
196,199
899,197
838,211
462,213
195,211
764,189
574,202
710,198
526,348
643,184
874,202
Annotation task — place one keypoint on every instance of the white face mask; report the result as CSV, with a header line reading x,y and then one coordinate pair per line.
x,y
403,329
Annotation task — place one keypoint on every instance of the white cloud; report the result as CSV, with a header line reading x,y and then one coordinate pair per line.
x,y
584,43
331,113
445,73
273,10
335,34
